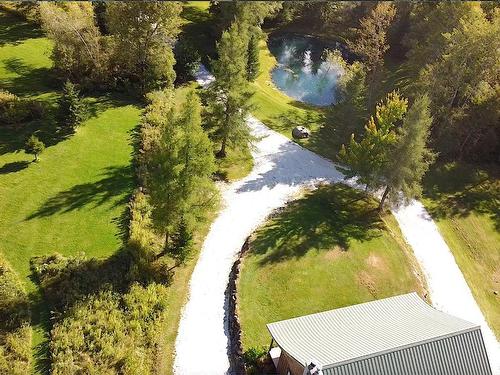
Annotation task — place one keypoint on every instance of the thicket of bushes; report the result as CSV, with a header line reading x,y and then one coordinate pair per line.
x,y
103,321
15,330
14,110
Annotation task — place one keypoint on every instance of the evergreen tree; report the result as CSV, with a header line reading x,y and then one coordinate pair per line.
x,y
182,243
228,96
371,42
411,157
253,62
464,89
392,155
368,159
72,110
34,146
179,167
350,112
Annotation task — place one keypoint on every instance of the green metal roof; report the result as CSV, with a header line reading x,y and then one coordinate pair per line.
x,y
351,334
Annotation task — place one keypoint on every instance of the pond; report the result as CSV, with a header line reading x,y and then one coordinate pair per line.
x,y
302,72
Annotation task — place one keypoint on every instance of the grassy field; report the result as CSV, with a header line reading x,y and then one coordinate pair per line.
x,y
74,199
327,250
464,201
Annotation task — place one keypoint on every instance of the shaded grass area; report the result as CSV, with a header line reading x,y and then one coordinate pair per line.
x,y
327,250
465,202
73,200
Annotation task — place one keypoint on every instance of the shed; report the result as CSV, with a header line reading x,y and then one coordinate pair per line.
x,y
400,335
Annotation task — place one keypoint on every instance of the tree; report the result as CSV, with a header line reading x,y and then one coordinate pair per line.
x,y
464,89
252,13
72,110
429,22
80,52
411,157
179,165
369,158
182,243
34,146
371,41
253,63
228,96
144,34
350,112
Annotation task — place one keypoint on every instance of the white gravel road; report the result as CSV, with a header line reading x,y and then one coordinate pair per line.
x,y
281,170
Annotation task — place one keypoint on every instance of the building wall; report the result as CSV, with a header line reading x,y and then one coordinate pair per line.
x,y
287,363
463,354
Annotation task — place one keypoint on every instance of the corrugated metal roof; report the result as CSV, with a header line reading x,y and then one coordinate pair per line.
x,y
461,354
366,330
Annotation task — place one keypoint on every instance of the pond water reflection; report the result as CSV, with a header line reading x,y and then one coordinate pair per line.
x,y
301,72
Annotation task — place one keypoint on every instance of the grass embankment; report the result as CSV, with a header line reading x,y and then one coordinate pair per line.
x,y
327,250
74,198
464,201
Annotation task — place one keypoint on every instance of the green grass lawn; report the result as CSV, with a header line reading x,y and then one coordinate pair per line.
x,y
74,199
327,250
464,201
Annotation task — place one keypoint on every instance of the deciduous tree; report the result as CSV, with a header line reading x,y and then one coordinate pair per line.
x,y
80,54
144,33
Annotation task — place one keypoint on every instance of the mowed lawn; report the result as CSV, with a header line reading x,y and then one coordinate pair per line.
x,y
328,249
464,200
73,200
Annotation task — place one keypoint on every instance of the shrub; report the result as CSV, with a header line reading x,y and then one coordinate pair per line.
x,y
14,110
34,146
110,333
15,330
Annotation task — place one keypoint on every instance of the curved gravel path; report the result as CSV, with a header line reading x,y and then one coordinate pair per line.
x,y
281,170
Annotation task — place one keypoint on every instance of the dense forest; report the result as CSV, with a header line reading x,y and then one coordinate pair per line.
x,y
421,86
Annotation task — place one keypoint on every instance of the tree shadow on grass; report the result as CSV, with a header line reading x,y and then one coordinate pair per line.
x,y
459,189
332,216
15,166
28,81
14,30
116,181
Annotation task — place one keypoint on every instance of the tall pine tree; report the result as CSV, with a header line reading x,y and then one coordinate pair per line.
x,y
179,169
392,155
229,95
253,63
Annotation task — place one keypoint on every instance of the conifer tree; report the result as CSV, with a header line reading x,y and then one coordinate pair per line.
x,y
228,96
71,108
253,62
34,146
411,156
392,154
180,165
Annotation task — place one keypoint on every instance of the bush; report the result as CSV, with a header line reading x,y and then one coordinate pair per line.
x,y
255,360
14,110
109,333
15,330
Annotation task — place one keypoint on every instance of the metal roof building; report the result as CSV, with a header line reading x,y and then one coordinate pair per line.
x,y
400,335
